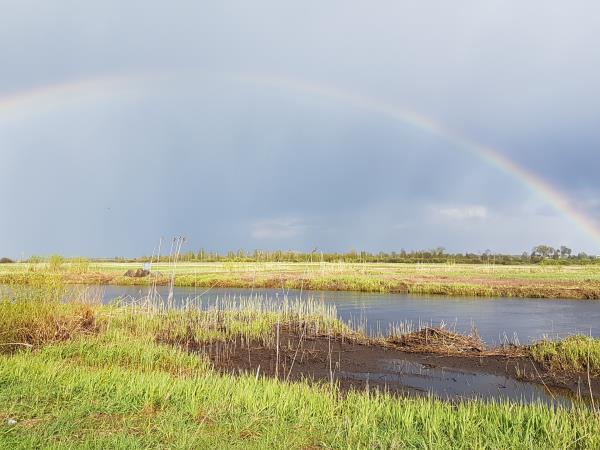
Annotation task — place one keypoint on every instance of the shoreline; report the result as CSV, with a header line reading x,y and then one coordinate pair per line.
x,y
272,375
359,363
419,285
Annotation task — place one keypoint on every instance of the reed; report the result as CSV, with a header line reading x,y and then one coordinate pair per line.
x,y
35,315
578,353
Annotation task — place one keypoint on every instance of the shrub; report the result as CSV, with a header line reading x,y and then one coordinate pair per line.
x,y
55,262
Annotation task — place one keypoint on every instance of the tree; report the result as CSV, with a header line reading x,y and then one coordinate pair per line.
x,y
543,251
565,252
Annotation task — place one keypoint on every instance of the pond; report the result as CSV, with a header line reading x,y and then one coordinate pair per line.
x,y
497,320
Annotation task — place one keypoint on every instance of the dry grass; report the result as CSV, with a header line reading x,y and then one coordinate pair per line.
x,y
35,315
438,340
25,325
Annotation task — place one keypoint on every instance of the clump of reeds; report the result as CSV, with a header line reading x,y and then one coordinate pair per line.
x,y
35,315
251,319
578,353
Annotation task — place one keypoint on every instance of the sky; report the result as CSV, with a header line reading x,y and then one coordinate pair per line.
x,y
335,125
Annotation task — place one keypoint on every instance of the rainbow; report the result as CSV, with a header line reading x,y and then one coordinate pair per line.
x,y
560,201
53,96
23,103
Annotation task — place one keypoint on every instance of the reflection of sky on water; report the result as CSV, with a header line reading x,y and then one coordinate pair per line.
x,y
495,319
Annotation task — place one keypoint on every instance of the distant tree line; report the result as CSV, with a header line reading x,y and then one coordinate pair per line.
x,y
540,254
544,254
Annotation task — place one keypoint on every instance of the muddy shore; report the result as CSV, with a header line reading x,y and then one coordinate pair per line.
x,y
370,365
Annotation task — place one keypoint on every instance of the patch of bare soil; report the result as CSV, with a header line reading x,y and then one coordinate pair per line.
x,y
363,365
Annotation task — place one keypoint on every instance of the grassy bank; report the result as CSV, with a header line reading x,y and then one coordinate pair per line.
x,y
94,376
535,281
129,395
573,353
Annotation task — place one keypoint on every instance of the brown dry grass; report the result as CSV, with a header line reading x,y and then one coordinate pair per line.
x,y
25,326
438,340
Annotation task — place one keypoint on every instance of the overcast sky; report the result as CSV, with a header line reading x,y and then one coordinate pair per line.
x,y
184,133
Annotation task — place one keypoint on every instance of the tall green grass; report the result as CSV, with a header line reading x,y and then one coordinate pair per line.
x,y
130,394
573,353
121,386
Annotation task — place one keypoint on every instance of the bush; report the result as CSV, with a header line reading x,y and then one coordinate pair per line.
x,y
6,261
37,314
55,262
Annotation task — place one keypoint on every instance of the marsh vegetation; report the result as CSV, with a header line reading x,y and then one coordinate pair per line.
x,y
77,373
487,280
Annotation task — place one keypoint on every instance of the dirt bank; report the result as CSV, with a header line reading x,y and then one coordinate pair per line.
x,y
370,365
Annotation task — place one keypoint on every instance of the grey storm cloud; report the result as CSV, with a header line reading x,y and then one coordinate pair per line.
x,y
182,145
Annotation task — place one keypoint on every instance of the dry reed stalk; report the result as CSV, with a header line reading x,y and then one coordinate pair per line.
x,y
296,353
435,340
277,358
329,359
590,383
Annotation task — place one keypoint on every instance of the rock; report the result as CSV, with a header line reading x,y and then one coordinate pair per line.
x,y
138,273
11,422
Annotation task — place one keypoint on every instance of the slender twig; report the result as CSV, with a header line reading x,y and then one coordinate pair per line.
x,y
277,360
296,353
590,382
329,358
542,380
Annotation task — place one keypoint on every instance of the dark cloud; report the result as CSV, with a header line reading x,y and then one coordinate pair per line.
x,y
184,148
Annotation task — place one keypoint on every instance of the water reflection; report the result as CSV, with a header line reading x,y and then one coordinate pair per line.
x,y
496,320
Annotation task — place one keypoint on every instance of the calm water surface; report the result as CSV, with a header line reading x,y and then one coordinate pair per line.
x,y
496,319
453,384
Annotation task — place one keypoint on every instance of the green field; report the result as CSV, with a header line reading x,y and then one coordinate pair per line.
x,y
87,376
538,281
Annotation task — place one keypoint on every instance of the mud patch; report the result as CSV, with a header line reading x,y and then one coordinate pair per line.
x,y
353,364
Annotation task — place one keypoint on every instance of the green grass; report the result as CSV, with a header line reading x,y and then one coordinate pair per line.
x,y
450,271
117,386
112,392
573,353
539,281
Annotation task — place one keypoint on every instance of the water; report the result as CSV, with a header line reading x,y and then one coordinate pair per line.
x,y
496,319
455,384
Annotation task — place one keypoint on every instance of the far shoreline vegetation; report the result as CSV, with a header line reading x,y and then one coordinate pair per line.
x,y
540,254
545,272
